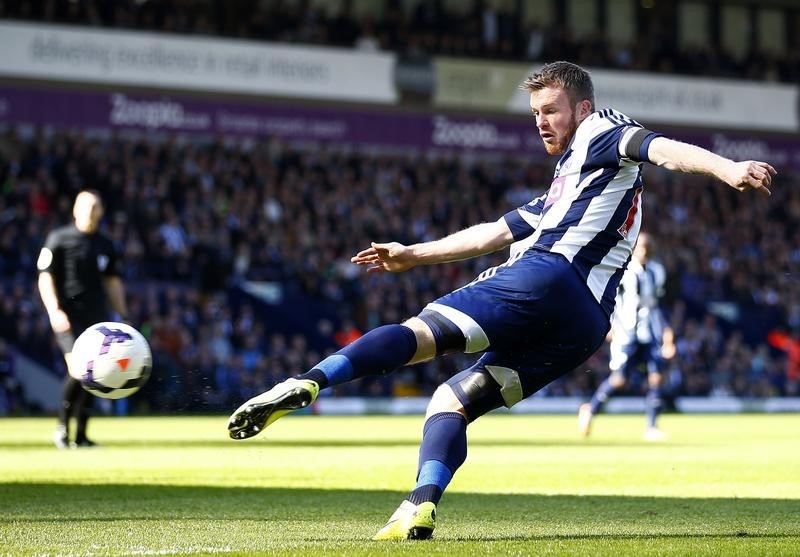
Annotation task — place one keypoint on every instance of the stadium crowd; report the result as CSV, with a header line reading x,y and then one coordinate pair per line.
x,y
430,27
196,220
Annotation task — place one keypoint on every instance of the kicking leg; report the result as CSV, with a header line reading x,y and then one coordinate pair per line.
x,y
378,352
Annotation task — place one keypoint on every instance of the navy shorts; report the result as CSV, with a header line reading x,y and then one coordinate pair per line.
x,y
535,320
632,356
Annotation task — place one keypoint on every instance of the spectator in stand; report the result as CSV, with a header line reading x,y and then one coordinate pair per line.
x,y
430,27
790,344
12,399
140,175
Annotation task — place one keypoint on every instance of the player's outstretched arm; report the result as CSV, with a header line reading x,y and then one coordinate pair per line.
x,y
683,157
464,244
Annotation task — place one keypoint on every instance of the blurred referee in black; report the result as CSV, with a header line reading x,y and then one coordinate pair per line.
x,y
79,276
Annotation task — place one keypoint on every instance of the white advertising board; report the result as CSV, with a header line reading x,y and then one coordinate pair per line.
x,y
160,60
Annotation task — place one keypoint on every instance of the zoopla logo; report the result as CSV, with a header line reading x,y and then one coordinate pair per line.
x,y
154,114
466,134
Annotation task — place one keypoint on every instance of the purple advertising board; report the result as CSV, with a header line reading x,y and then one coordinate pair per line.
x,y
424,131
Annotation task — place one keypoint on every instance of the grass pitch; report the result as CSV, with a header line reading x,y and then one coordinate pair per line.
x,y
722,485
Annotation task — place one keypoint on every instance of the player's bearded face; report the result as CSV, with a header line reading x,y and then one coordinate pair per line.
x,y
556,118
565,137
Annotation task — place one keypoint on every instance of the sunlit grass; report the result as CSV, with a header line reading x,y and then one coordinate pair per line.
x,y
721,485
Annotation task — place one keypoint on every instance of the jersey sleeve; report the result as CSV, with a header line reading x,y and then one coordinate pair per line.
x,y
634,144
49,254
616,140
523,221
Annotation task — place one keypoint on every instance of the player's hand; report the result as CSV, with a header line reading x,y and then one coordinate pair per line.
x,y
393,257
59,321
668,348
746,175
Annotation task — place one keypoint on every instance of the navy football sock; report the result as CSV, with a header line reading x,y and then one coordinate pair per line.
x,y
380,351
653,402
601,395
443,451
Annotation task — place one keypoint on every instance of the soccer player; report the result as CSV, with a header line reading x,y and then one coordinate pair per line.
x,y
536,316
79,275
639,337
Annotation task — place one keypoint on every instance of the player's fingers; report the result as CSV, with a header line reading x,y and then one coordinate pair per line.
x,y
766,168
761,175
368,260
769,173
375,269
363,253
758,185
762,179
381,250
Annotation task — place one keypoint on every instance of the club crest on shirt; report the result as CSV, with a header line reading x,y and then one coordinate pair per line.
x,y
555,192
102,262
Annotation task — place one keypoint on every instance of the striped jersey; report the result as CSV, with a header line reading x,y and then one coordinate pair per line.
x,y
637,315
591,214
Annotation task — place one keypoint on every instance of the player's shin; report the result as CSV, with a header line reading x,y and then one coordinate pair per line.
x,y
380,351
654,402
443,451
601,395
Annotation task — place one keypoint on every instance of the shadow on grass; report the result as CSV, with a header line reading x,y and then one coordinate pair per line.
x,y
265,442
467,517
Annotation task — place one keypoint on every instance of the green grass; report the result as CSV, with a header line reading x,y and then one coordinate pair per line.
x,y
722,485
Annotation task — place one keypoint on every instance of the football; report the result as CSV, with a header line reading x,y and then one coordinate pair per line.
x,y
111,360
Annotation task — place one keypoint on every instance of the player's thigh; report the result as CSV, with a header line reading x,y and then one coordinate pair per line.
x,y
624,358
535,301
504,378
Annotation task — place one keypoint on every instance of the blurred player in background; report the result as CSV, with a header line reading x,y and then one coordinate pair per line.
x,y
640,337
79,276
535,317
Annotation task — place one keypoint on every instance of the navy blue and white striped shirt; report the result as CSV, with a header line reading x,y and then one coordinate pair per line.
x,y
591,213
637,315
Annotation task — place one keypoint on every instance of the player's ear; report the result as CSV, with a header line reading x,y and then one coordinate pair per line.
x,y
584,109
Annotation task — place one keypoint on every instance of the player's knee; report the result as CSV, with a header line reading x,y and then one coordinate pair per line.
x,y
654,380
426,343
616,381
444,400
450,337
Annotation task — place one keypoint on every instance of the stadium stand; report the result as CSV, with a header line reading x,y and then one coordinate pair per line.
x,y
198,220
434,27
195,220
